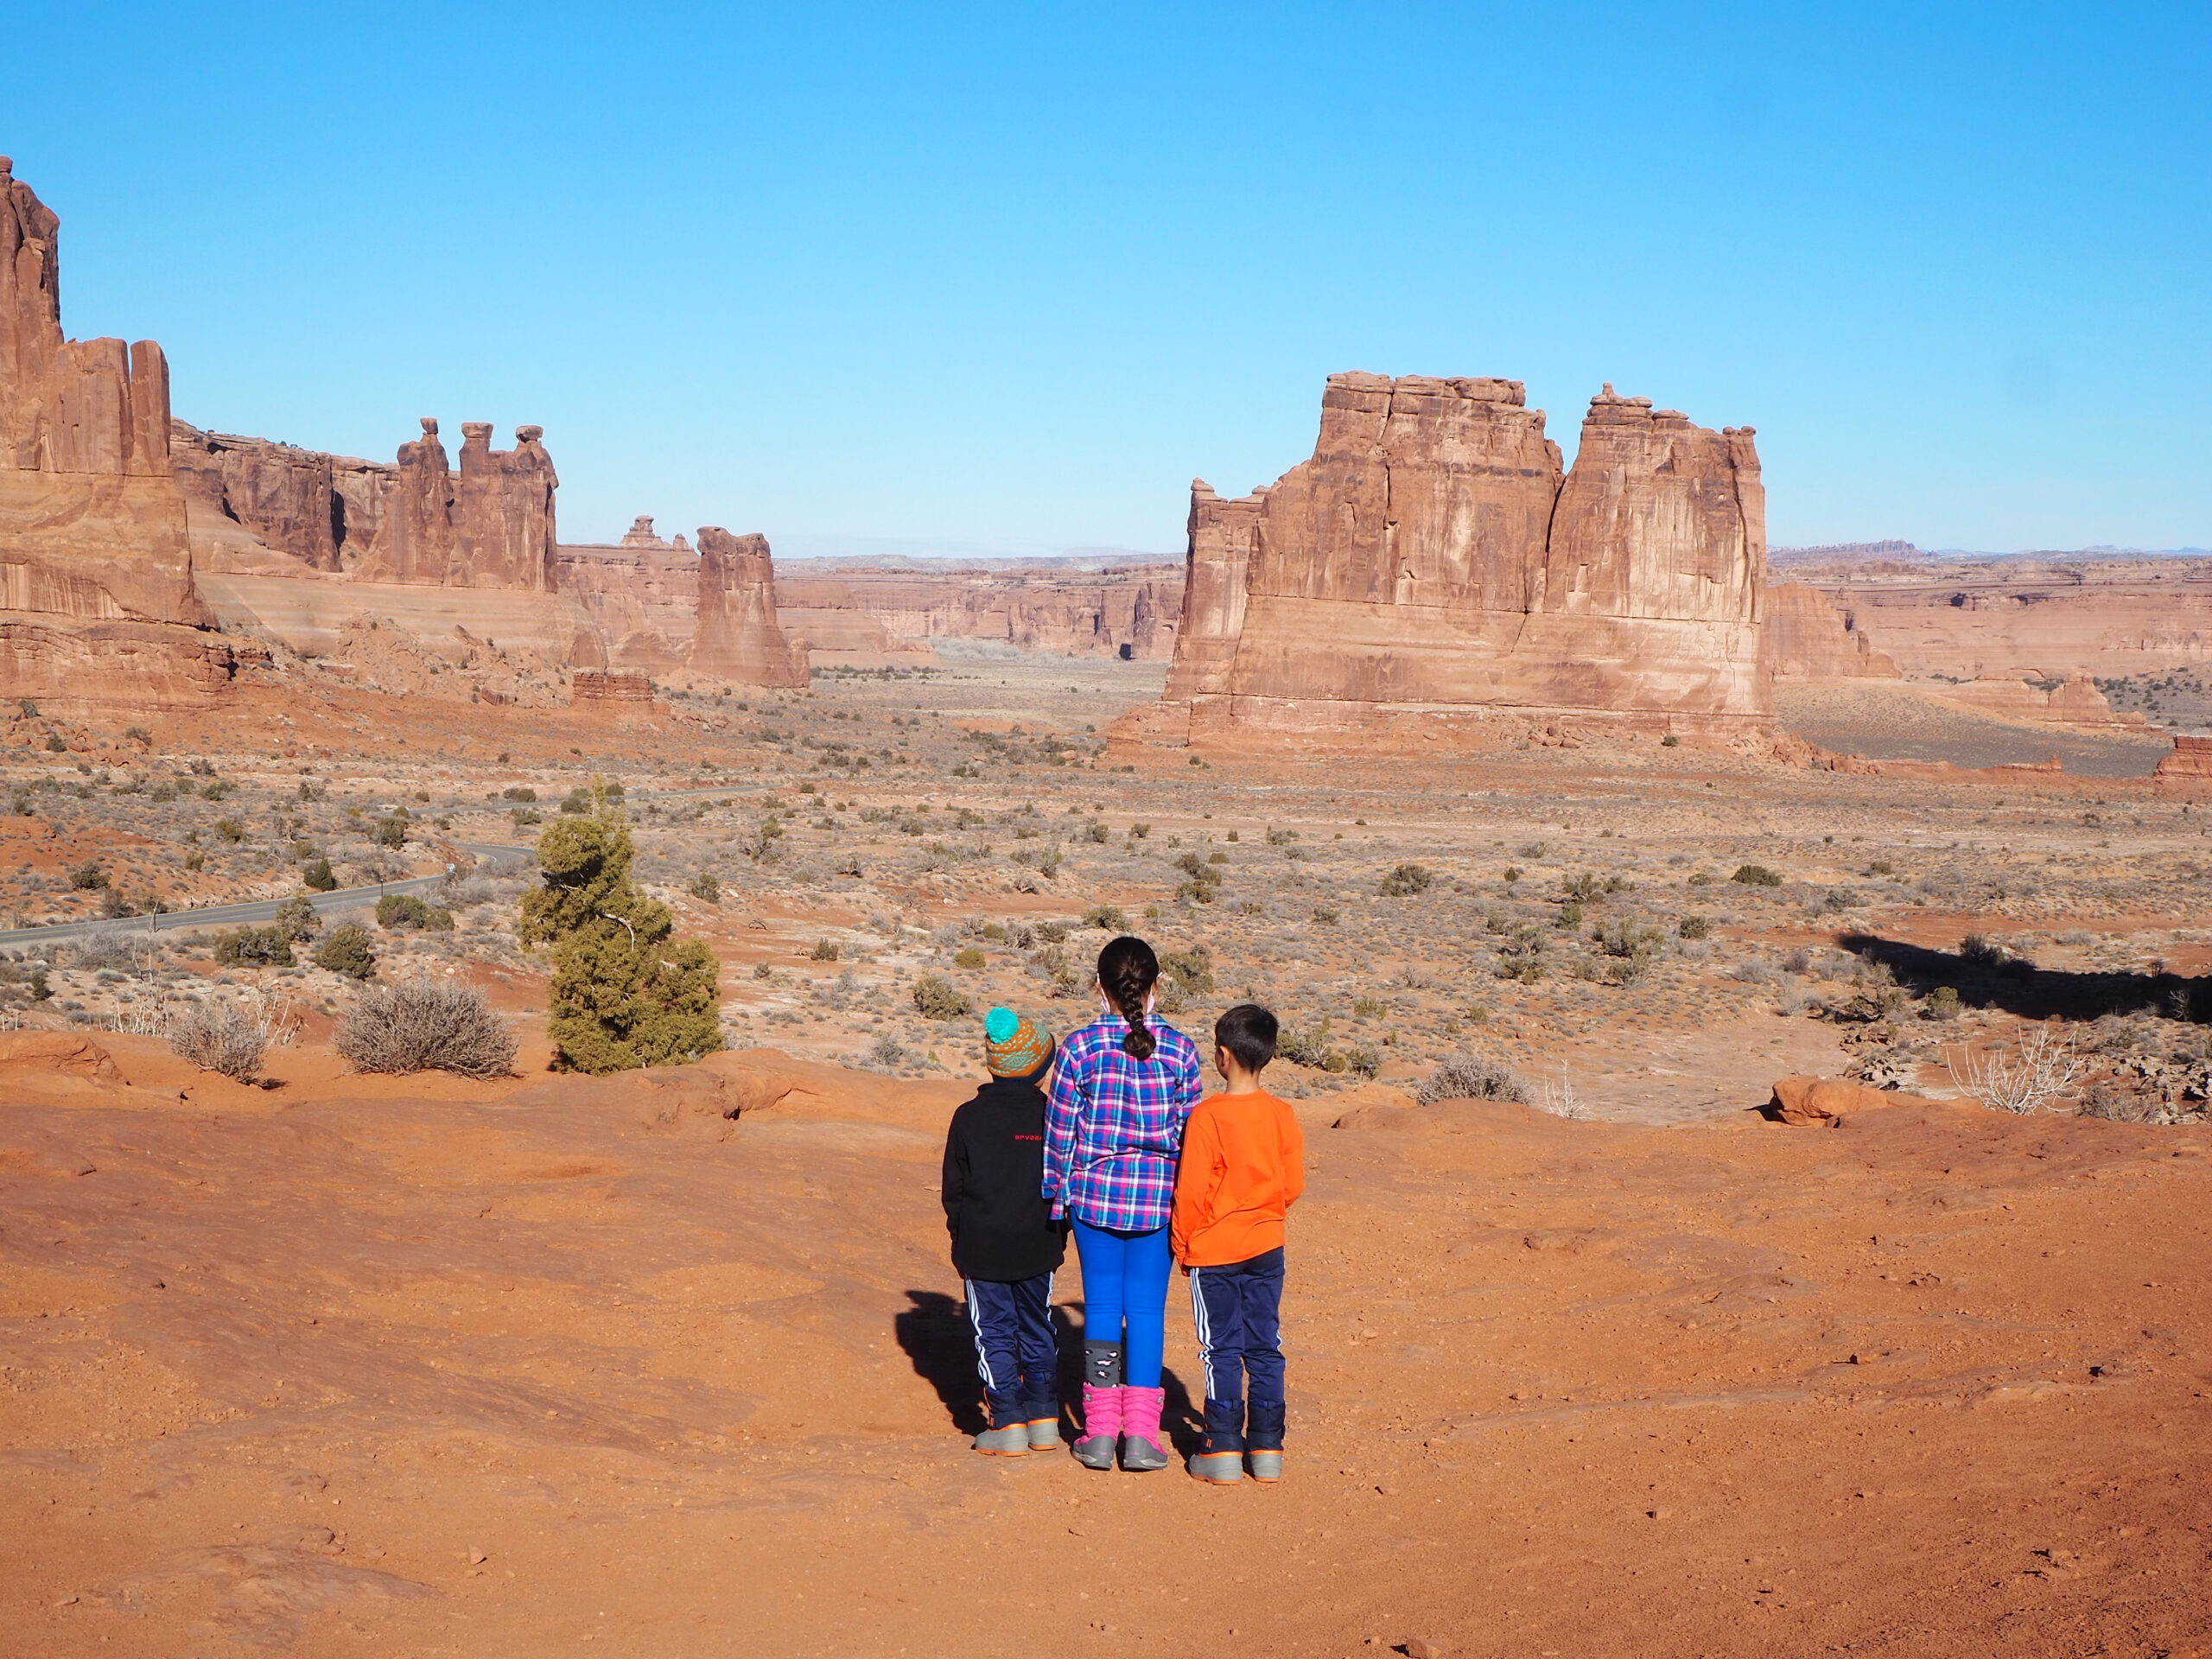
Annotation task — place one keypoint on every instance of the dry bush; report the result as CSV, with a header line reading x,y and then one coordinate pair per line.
x,y
2045,1068
223,1035
426,1025
1471,1076
1560,1098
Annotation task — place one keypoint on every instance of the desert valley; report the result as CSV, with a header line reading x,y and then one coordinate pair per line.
x,y
1748,1010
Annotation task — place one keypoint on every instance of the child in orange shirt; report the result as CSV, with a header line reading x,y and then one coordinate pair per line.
x,y
1243,1166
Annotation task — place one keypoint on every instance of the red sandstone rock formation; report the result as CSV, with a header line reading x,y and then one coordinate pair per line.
x,y
640,536
2191,757
1431,556
414,541
284,496
739,637
643,600
96,602
503,511
1808,637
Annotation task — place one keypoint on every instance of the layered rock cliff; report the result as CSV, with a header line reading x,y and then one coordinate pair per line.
x,y
97,601
1130,612
491,525
1809,637
1432,556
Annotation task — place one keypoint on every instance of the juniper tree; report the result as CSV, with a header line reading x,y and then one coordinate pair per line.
x,y
624,993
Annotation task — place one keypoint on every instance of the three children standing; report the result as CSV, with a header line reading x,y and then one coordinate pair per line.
x,y
1144,1173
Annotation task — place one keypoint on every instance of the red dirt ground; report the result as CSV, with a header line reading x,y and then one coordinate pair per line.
x,y
421,1367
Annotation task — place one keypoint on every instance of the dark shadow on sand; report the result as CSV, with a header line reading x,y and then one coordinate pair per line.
x,y
934,1332
2031,993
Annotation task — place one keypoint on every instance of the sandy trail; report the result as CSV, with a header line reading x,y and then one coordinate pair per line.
x,y
554,1365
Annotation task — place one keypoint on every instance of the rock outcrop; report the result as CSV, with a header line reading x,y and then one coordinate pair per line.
x,y
97,601
593,686
415,521
1431,556
2191,757
283,496
739,637
1808,636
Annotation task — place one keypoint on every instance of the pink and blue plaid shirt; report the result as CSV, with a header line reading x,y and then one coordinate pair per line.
x,y
1114,1126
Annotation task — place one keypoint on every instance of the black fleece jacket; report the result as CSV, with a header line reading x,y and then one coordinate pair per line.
x,y
995,1205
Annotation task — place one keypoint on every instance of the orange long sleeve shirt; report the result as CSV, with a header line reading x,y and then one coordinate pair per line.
x,y
1243,1166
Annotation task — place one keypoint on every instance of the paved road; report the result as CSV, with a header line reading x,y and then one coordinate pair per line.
x,y
256,910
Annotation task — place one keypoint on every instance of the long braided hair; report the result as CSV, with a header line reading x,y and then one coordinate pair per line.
x,y
1126,972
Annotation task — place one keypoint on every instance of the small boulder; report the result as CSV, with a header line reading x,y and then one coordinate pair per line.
x,y
1825,1101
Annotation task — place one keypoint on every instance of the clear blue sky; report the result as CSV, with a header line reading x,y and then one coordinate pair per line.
x,y
1009,276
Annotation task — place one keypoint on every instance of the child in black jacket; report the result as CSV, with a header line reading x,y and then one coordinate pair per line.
x,y
1005,1243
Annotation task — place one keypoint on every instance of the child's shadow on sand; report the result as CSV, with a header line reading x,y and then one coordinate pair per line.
x,y
936,1336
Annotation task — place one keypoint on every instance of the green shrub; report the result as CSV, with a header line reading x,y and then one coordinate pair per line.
x,y
231,831
704,886
970,957
1754,875
1106,916
88,877
824,951
1406,880
392,831
398,910
936,998
347,949
1979,951
1306,1045
254,947
517,792
320,876
1941,1003
624,993
296,919
1695,927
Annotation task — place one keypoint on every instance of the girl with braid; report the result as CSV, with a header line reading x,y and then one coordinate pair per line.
x,y
1113,1130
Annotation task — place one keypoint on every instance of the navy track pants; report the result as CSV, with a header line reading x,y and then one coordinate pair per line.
x,y
1016,1353
1238,1311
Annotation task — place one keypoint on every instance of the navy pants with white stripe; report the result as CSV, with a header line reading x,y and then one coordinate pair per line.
x,y
1016,1353
1238,1311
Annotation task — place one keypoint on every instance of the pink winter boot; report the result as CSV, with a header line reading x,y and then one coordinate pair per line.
x,y
1101,1425
1141,1447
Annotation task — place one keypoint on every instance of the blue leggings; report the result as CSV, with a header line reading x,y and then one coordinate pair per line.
x,y
1125,1278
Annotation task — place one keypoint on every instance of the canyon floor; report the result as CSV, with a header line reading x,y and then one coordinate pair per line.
x,y
347,1365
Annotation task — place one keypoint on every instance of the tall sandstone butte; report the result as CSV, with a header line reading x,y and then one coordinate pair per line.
x,y
1431,556
96,602
739,636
